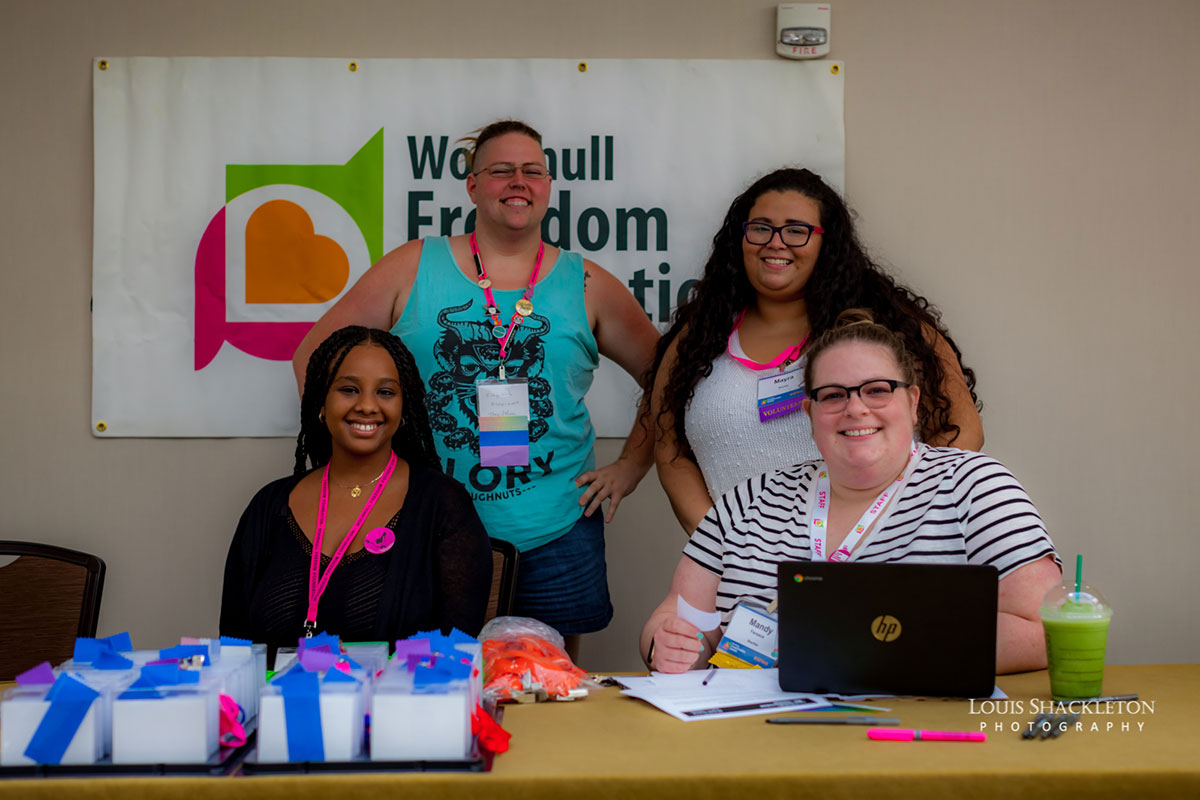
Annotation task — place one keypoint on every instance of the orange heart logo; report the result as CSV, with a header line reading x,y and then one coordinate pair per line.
x,y
286,262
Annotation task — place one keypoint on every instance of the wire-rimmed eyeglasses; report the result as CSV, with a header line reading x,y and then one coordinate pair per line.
x,y
504,171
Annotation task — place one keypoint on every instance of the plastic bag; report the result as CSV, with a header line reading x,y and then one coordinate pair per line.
x,y
524,660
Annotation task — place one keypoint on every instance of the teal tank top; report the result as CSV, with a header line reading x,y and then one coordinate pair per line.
x,y
450,336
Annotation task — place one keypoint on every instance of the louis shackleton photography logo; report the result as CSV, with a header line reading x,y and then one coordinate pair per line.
x,y
1045,717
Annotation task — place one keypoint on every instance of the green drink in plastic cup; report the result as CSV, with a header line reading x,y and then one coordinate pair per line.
x,y
1076,626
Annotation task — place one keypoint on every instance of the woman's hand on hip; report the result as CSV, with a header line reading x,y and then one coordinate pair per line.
x,y
612,482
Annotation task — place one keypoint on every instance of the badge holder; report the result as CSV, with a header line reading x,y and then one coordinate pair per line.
x,y
503,407
780,394
750,640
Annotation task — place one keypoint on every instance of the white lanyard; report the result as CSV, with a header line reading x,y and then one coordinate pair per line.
x,y
818,525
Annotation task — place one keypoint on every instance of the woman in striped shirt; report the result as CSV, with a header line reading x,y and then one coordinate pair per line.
x,y
874,496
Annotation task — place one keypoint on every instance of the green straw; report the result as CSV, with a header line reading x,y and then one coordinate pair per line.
x,y
1078,574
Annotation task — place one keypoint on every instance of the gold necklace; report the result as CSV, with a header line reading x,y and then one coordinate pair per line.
x,y
358,487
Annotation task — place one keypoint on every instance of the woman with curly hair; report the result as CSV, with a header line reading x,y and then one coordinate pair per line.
x,y
727,376
367,539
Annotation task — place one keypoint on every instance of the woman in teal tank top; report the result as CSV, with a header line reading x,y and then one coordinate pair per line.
x,y
501,305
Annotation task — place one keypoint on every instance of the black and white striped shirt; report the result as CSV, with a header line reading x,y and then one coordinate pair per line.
x,y
959,507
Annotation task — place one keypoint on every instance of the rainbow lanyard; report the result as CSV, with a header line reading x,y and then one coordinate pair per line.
x,y
786,357
524,306
316,581
820,514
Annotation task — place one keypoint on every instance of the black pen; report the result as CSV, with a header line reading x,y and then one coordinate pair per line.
x,y
1064,725
1048,730
879,721
708,677
1032,731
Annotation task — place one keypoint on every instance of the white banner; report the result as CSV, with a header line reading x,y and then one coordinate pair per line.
x,y
237,198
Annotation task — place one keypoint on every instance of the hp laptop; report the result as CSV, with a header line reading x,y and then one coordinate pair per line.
x,y
912,629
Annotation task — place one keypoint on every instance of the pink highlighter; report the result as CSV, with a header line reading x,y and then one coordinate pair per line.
x,y
909,735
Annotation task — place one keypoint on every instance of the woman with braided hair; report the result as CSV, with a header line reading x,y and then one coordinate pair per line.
x,y
367,539
728,374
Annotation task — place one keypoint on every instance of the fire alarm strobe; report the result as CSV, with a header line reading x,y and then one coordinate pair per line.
x,y
802,30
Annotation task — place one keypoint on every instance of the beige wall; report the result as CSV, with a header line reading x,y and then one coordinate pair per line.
x,y
1030,166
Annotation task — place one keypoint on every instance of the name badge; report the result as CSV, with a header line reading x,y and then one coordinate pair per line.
x,y
503,422
780,394
751,640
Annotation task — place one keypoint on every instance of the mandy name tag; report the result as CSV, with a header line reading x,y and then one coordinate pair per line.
x,y
503,422
780,394
750,640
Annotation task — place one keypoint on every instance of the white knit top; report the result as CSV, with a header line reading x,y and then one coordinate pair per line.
x,y
729,442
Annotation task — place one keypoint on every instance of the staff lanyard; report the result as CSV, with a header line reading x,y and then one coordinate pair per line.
x,y
524,306
820,515
316,581
786,357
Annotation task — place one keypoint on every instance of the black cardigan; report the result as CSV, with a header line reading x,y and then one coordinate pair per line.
x,y
439,573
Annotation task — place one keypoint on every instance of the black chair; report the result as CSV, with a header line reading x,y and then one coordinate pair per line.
x,y
505,560
48,596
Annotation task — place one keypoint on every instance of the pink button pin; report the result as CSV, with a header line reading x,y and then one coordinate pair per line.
x,y
380,540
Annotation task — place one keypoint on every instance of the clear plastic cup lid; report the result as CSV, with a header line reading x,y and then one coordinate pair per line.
x,y
1063,600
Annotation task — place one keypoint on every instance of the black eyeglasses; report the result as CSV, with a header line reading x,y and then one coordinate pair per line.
x,y
504,171
794,234
874,394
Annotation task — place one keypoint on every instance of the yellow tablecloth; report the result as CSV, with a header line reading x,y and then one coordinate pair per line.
x,y
610,746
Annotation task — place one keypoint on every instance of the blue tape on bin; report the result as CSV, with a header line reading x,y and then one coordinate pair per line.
x,y
69,703
110,660
337,676
86,650
119,641
302,714
438,643
153,676
458,637
441,673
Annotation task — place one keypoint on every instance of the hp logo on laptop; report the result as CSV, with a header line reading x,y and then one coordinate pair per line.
x,y
885,628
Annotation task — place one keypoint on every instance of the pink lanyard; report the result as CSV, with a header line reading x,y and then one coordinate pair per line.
x,y
316,581
789,354
524,306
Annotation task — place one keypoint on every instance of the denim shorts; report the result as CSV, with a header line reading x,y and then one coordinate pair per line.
x,y
564,583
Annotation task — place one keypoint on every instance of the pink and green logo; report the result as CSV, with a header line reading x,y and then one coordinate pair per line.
x,y
282,247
